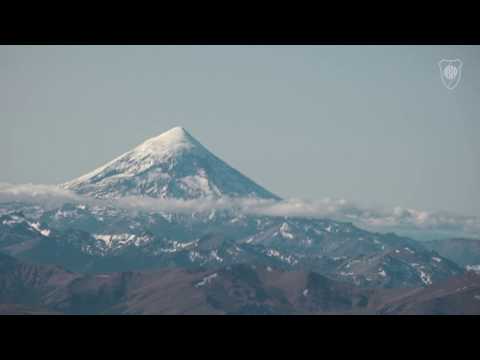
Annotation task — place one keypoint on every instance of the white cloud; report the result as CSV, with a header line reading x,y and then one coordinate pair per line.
x,y
37,194
396,219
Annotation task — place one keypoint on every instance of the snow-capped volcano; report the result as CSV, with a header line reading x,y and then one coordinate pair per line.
x,y
171,165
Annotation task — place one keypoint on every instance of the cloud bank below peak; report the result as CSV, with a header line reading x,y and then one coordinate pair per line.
x,y
409,222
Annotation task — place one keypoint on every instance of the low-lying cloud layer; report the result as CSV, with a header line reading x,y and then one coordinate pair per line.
x,y
404,221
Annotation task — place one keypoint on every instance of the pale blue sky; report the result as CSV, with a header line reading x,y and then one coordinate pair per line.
x,y
372,124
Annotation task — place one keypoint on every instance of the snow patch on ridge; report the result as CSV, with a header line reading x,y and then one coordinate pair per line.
x,y
206,280
44,232
284,231
111,240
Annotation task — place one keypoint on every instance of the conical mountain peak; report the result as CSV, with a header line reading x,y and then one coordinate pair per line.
x,y
171,165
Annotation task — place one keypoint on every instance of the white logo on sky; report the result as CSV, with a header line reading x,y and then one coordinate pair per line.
x,y
450,72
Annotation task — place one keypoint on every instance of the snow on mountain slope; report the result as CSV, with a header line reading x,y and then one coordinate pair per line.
x,y
171,165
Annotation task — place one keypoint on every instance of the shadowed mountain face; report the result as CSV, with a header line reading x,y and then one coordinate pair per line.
x,y
171,165
465,252
239,289
459,295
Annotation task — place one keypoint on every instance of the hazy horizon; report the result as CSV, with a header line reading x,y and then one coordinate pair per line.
x,y
371,124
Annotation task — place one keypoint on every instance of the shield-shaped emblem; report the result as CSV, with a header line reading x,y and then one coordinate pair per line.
x,y
450,72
